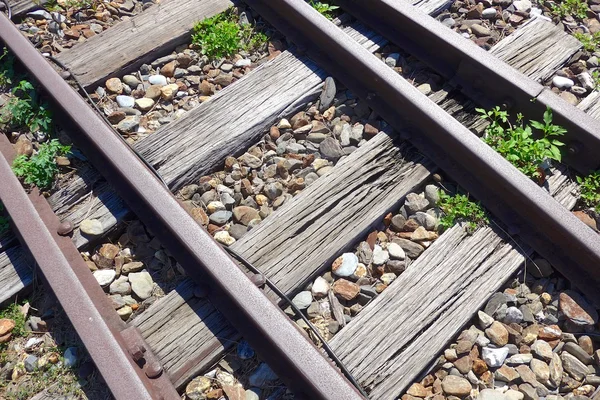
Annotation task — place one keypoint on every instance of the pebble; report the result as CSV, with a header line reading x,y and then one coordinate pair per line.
x,y
70,357
456,386
345,265
494,357
574,307
562,83
92,227
159,80
489,13
497,333
320,287
144,103
380,256
125,101
302,300
104,276
224,237
141,284
491,394
396,252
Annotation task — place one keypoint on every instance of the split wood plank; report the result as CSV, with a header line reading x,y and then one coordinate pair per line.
x,y
22,6
430,302
537,48
143,38
275,89
294,244
591,104
15,272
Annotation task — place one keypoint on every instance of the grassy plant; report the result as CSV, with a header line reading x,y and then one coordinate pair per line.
x,y
222,36
41,168
590,189
517,144
7,68
574,8
590,42
596,79
25,109
324,9
458,208
13,312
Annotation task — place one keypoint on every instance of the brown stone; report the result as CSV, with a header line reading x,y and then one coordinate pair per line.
x,y
199,216
168,69
456,386
234,392
507,374
116,117
576,309
417,390
428,380
530,334
274,132
548,333
497,333
114,85
245,214
464,364
346,289
586,219
527,375
463,346
207,88
479,366
88,33
23,147
6,326
5,338
109,251
215,394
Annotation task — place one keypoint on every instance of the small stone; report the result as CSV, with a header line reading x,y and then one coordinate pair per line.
x,y
197,387
320,287
364,253
144,103
585,342
518,359
542,349
125,101
303,300
415,203
497,333
224,237
396,252
397,223
120,286
220,217
556,370
6,326
507,374
31,363
541,370
346,289
125,312
561,82
513,315
514,395
494,303
489,13
135,266
484,320
480,30
70,357
345,265
456,386
92,227
576,351
494,357
491,394
575,368
380,256
114,85
330,149
141,284
104,276
574,306
549,333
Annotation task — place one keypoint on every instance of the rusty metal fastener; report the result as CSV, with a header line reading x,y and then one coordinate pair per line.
x,y
65,228
153,369
259,280
137,351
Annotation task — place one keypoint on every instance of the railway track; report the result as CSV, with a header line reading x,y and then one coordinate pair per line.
x,y
193,326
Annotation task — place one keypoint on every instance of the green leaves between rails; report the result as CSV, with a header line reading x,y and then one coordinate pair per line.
x,y
517,144
459,208
41,168
590,190
590,42
574,8
222,36
324,9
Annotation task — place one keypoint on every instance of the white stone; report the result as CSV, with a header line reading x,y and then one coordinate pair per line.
x,y
141,284
396,252
522,5
105,276
380,256
489,13
225,238
348,265
320,287
125,101
562,83
491,394
144,103
518,359
157,80
514,395
513,315
91,227
284,124
484,320
244,62
494,357
303,299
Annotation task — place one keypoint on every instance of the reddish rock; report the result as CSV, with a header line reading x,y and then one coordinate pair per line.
x,y
199,216
372,239
116,117
417,390
346,289
479,366
168,69
585,342
6,326
274,132
5,338
109,251
576,309
245,214
387,220
548,333
114,85
497,333
586,219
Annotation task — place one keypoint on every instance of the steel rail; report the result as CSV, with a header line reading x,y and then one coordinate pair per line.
x,y
523,206
273,335
124,360
471,68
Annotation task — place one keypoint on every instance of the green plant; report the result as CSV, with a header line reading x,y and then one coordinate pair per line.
x,y
324,9
41,168
13,312
574,8
25,109
590,42
590,189
221,36
7,68
517,144
596,79
459,208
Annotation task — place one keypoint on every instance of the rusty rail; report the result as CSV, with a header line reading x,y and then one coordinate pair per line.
x,y
275,337
126,363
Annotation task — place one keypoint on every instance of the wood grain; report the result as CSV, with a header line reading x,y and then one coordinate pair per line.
x,y
145,37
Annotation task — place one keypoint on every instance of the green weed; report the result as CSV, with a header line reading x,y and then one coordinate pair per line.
x,y
41,168
3,220
12,312
596,79
458,208
590,42
574,8
7,68
25,109
517,144
222,36
324,9
590,189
